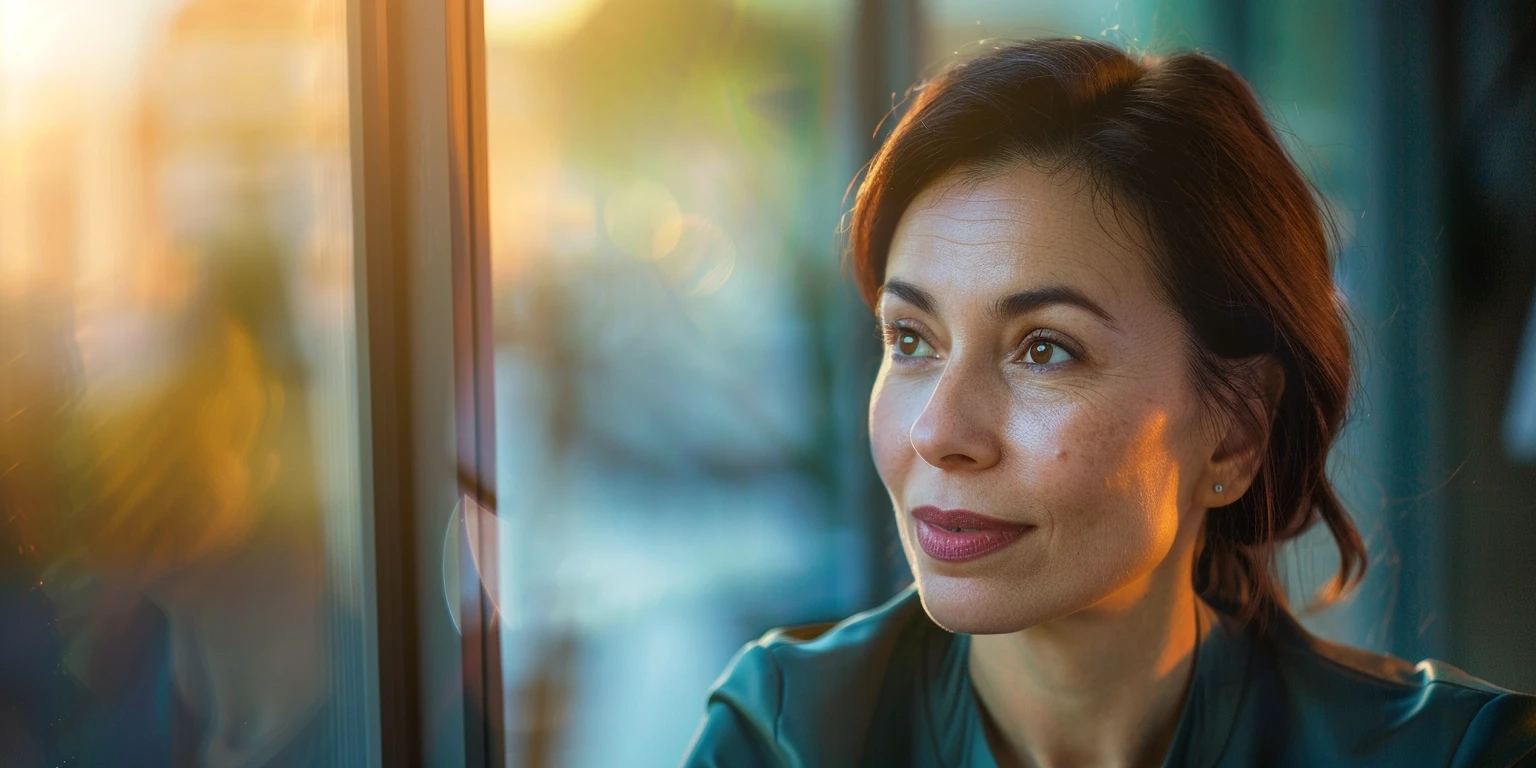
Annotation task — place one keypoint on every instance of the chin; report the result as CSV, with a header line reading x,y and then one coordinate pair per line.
x,y
988,605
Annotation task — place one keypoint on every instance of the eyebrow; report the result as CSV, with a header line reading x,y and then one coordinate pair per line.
x,y
911,294
1023,302
1010,306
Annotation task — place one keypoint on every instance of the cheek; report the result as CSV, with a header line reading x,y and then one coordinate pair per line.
x,y
1109,483
891,414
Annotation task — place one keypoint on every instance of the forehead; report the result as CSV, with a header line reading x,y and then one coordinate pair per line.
x,y
962,239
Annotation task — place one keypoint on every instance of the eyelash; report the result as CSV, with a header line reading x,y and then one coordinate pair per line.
x,y
888,333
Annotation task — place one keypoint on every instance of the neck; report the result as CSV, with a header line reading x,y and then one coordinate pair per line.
x,y
1102,686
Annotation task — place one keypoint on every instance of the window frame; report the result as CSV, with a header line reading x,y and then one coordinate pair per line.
x,y
422,268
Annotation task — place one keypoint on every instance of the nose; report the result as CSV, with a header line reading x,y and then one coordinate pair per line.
x,y
958,428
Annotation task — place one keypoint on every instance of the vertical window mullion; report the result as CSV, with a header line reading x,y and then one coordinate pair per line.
x,y
418,135
474,377
384,396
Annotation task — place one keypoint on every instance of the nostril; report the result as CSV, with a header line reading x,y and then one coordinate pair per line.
x,y
959,461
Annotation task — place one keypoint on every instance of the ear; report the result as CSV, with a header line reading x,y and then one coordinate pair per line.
x,y
1243,435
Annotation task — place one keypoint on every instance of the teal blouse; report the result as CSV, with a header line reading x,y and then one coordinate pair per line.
x,y
890,688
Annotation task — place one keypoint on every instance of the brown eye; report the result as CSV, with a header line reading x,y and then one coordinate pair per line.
x,y
1045,353
909,344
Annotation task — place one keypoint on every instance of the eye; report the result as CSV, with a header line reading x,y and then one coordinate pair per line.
x,y
908,343
1042,352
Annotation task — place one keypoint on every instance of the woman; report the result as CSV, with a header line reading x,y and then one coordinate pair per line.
x,y
1115,363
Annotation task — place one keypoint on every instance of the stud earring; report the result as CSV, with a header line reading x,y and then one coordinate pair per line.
x,y
1217,488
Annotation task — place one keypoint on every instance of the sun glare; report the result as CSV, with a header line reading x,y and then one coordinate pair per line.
x,y
535,22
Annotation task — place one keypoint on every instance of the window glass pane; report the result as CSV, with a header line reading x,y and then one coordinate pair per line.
x,y
678,379
183,550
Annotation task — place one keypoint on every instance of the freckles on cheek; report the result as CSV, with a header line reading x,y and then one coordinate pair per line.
x,y
1067,456
1047,440
1141,474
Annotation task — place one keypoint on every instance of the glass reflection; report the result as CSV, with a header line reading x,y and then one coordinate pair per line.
x,y
177,406
679,437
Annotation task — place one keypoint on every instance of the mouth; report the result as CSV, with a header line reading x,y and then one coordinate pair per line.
x,y
956,535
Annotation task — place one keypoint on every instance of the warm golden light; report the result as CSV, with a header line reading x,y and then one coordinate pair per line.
x,y
535,22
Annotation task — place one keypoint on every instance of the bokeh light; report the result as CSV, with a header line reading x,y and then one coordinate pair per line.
x,y
643,220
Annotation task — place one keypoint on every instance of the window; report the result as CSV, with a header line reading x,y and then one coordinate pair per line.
x,y
679,375
180,449
387,382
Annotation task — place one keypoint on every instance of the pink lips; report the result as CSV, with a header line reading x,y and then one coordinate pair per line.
x,y
958,534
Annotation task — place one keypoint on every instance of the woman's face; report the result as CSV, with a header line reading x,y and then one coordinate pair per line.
x,y
1033,376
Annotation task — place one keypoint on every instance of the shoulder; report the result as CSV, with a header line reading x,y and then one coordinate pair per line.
x,y
1391,710
806,690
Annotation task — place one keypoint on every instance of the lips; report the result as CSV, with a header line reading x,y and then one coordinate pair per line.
x,y
956,535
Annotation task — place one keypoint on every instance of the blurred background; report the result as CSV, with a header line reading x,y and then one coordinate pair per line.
x,y
190,567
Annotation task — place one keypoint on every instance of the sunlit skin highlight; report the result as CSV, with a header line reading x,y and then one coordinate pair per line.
x,y
1034,373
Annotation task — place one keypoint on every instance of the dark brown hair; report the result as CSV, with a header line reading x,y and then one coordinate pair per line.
x,y
1240,245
